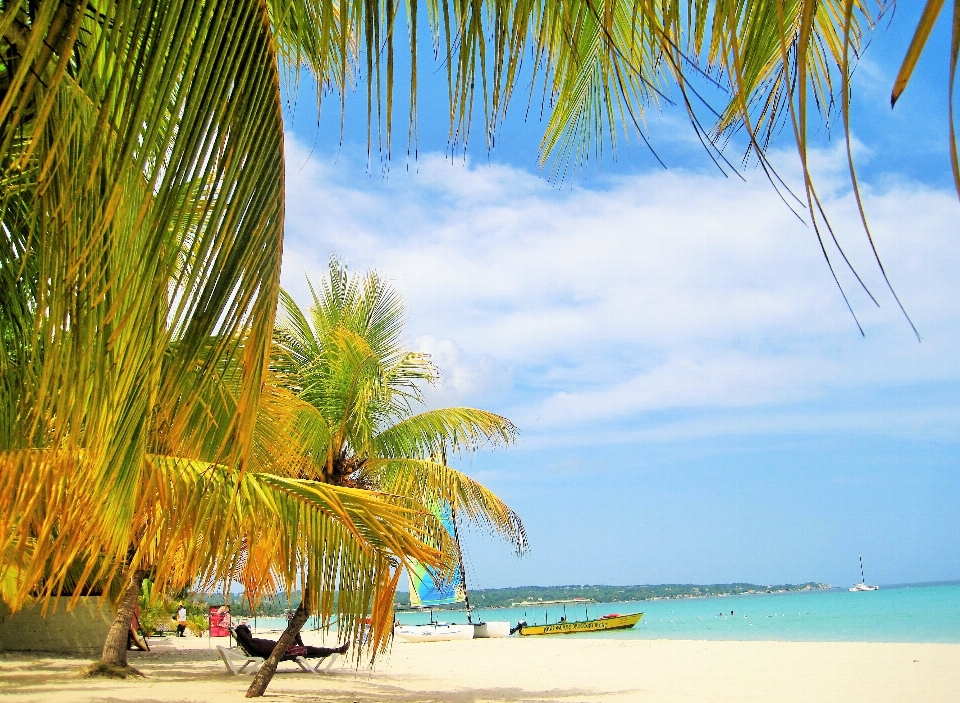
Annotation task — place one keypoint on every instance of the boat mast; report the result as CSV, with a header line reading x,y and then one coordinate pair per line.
x,y
863,579
463,572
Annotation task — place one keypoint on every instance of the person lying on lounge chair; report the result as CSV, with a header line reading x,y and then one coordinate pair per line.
x,y
264,648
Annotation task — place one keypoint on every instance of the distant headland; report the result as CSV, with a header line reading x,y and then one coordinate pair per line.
x,y
552,595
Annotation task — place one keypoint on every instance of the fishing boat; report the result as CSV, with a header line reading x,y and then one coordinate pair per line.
x,y
613,621
429,589
862,586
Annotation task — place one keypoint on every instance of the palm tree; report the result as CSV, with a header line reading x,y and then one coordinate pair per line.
x,y
198,522
142,202
268,531
345,359
142,196
358,386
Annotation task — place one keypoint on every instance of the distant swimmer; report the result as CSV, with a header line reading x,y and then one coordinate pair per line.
x,y
731,612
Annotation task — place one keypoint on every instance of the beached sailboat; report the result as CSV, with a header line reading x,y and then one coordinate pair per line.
x,y
613,621
862,586
434,632
429,589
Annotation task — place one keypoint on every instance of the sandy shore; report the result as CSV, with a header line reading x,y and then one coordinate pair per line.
x,y
529,670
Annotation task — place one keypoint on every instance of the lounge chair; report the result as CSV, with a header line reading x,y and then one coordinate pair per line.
x,y
247,652
232,656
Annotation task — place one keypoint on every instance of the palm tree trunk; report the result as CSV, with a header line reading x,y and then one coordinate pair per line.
x,y
269,667
115,648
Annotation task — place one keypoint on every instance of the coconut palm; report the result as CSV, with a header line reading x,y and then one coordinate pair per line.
x,y
358,387
142,203
345,359
142,213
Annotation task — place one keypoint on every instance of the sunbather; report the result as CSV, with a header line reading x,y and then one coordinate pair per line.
x,y
264,648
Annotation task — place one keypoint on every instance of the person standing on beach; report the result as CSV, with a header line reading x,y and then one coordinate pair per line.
x,y
181,621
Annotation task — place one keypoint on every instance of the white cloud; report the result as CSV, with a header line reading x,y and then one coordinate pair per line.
x,y
728,380
464,378
655,291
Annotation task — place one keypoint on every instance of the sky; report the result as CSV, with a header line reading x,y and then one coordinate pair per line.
x,y
696,403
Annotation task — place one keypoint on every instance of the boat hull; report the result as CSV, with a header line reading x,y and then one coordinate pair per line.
x,y
434,633
495,628
621,622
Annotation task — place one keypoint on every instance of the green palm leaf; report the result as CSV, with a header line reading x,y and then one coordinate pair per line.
x,y
339,545
455,429
141,156
434,483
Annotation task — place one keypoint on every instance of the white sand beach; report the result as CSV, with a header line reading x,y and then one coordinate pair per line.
x,y
529,670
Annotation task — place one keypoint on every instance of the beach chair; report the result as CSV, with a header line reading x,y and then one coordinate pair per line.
x,y
328,660
233,656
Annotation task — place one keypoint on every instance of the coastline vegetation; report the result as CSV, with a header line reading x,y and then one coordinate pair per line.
x,y
279,604
545,595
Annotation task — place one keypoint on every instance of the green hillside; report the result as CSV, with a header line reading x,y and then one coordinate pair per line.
x,y
507,597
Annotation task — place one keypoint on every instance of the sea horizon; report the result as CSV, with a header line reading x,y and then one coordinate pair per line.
x,y
919,612
925,612
826,587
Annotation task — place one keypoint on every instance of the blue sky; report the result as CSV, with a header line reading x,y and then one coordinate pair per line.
x,y
696,403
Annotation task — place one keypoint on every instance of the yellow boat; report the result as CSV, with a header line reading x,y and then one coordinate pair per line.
x,y
607,622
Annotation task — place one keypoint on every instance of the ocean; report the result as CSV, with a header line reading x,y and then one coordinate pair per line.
x,y
909,613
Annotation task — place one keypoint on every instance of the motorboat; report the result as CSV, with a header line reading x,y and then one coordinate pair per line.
x,y
613,621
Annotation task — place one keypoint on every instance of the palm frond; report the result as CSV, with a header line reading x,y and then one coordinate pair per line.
x,y
448,429
345,359
141,158
338,545
434,483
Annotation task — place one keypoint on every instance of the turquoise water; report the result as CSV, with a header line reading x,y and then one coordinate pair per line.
x,y
915,613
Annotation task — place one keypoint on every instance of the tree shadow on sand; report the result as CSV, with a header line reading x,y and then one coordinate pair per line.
x,y
201,669
394,694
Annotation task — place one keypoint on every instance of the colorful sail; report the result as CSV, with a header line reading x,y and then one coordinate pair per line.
x,y
427,588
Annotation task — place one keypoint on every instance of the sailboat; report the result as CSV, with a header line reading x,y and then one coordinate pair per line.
x,y
429,589
862,586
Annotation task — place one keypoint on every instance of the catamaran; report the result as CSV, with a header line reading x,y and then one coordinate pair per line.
x,y
862,586
429,589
